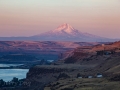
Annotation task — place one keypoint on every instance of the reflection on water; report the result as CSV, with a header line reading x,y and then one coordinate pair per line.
x,y
8,65
8,74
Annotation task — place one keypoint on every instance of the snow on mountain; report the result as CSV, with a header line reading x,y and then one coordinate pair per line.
x,y
66,28
65,32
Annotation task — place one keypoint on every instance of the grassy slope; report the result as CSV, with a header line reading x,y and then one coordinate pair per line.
x,y
84,84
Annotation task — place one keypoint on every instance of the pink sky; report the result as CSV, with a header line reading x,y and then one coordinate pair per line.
x,y
30,17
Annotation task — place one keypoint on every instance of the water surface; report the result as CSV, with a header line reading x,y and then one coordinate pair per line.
x,y
8,74
9,65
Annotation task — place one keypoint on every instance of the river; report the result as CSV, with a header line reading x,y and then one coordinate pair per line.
x,y
8,74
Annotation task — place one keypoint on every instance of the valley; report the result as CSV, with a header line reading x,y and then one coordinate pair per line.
x,y
93,67
34,51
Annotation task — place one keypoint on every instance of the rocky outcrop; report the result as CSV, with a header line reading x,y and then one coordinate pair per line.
x,y
42,75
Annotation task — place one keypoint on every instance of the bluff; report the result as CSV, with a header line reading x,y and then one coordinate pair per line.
x,y
39,76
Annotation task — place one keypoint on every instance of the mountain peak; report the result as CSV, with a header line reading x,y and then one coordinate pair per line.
x,y
65,28
65,25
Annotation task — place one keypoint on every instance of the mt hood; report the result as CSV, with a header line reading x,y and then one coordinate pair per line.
x,y
66,32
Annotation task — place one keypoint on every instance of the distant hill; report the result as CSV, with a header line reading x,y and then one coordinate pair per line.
x,y
48,50
88,54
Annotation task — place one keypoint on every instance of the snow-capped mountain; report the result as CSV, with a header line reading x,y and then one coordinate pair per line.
x,y
66,32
